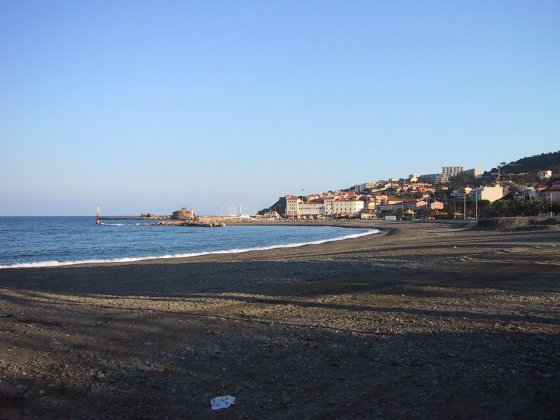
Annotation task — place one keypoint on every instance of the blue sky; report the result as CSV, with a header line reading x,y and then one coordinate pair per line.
x,y
155,105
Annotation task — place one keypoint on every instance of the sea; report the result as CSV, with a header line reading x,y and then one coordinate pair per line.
x,y
58,241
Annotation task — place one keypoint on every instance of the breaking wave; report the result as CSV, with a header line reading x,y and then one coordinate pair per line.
x,y
184,255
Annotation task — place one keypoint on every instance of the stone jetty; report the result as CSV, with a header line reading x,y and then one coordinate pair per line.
x,y
196,223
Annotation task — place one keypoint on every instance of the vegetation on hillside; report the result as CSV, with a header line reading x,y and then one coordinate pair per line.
x,y
535,163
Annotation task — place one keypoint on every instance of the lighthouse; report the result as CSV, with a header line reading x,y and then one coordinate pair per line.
x,y
98,222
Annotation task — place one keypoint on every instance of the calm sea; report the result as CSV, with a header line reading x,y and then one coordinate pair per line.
x,y
52,241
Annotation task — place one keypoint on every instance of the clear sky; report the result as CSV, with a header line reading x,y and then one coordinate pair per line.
x,y
155,105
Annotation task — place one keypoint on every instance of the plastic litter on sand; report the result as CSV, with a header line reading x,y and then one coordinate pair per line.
x,y
219,403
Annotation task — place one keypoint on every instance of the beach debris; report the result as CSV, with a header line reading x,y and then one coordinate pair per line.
x,y
224,401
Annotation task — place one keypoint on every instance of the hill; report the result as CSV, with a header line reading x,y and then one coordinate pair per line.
x,y
534,164
279,206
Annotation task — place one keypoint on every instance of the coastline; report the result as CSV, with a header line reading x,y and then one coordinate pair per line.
x,y
421,320
180,256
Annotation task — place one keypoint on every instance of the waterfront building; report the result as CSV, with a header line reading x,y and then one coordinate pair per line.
x,y
345,205
311,208
368,214
183,214
292,205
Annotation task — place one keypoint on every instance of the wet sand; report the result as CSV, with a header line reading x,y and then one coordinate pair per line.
x,y
422,320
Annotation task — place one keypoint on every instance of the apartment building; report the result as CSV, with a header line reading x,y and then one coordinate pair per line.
x,y
451,171
365,186
344,206
435,178
475,172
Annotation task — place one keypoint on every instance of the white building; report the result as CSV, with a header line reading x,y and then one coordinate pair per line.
x,y
365,186
344,207
413,178
544,175
311,208
488,193
296,207
451,171
292,205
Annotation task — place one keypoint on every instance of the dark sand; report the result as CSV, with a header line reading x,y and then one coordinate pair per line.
x,y
421,321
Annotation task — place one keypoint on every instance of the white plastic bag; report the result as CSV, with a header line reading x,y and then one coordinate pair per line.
x,y
222,402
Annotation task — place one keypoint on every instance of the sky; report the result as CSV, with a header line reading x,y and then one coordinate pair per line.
x,y
150,106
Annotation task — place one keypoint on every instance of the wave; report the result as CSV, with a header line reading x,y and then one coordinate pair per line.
x,y
187,255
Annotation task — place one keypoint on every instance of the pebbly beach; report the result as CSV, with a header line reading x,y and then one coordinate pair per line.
x,y
422,320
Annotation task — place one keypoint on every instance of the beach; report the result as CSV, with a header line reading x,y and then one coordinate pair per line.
x,y
422,320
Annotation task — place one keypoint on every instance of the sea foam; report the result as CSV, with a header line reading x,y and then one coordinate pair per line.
x,y
42,264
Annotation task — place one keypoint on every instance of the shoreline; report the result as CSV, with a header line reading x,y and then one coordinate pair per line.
x,y
132,260
423,320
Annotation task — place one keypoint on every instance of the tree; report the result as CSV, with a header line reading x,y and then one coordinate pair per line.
x,y
499,208
483,207
461,180
537,207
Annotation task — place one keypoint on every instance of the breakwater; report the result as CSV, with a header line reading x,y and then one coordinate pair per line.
x,y
134,218
196,223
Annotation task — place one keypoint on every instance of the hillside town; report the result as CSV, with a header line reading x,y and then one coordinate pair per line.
x,y
454,193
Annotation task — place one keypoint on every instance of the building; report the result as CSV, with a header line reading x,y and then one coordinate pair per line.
x,y
488,193
412,178
292,205
544,175
551,195
330,206
420,205
435,178
527,193
451,171
343,207
436,205
421,187
183,214
368,215
475,172
366,186
311,208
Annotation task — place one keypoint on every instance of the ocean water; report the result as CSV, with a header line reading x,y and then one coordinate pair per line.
x,y
54,241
